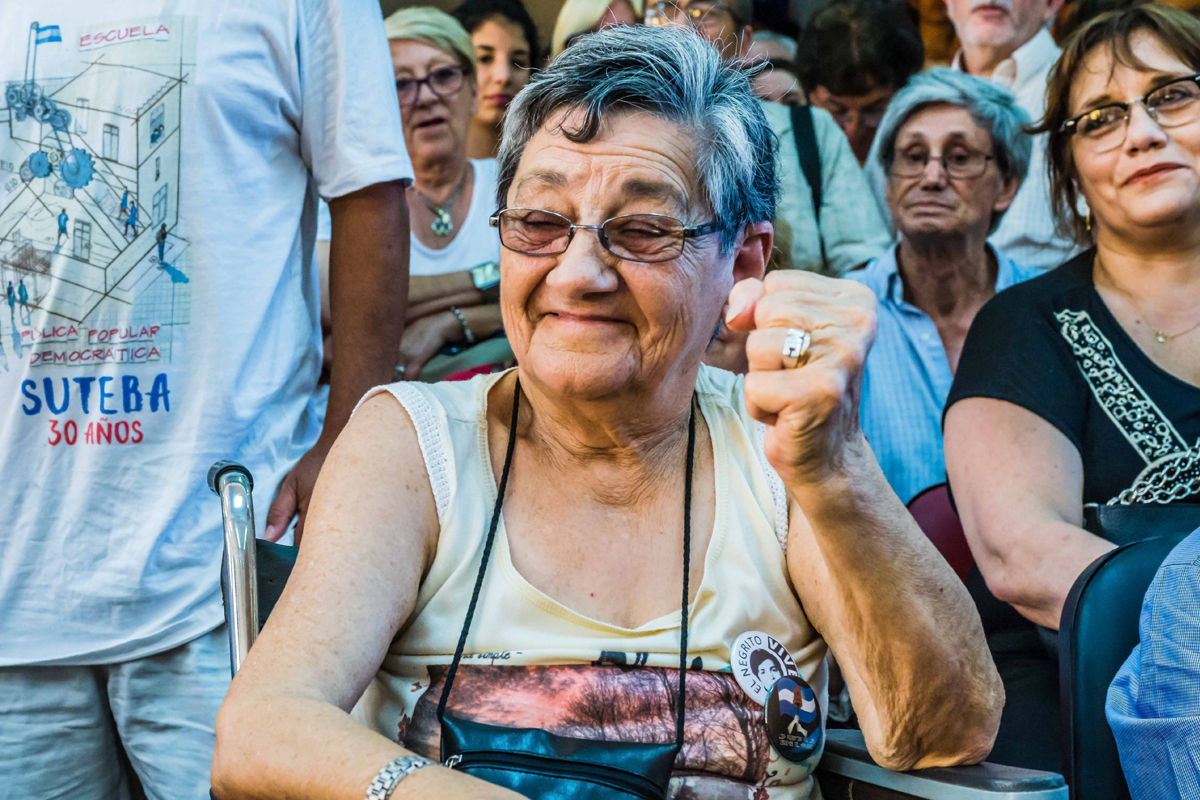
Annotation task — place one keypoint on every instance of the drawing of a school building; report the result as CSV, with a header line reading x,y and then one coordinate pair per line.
x,y
114,172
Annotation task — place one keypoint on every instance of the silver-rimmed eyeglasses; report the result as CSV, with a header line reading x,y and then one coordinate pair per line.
x,y
648,238
1170,105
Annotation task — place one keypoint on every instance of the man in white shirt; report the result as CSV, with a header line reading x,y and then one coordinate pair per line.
x,y
1008,41
220,121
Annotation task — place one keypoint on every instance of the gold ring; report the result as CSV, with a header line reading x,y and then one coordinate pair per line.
x,y
795,348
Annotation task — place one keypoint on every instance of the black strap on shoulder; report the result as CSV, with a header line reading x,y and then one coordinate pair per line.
x,y
810,162
806,146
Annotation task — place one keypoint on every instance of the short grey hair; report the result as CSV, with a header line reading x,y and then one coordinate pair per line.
x,y
991,106
676,75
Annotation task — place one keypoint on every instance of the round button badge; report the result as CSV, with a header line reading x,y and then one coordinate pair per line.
x,y
794,719
758,660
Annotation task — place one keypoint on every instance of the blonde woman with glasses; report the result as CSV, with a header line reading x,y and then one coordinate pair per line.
x,y
1083,385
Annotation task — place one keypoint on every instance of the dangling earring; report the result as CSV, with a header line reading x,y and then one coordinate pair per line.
x,y
1089,220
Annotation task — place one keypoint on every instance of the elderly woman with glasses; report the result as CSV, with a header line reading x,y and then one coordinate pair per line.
x,y
1083,386
572,564
453,257
950,156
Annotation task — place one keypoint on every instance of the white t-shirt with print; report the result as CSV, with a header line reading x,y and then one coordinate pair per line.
x,y
177,320
474,243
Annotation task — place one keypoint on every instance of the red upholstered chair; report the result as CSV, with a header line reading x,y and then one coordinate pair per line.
x,y
932,510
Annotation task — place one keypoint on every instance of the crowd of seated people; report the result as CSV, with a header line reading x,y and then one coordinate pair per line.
x,y
691,310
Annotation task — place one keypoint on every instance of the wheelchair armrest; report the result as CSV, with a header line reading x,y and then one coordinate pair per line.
x,y
847,770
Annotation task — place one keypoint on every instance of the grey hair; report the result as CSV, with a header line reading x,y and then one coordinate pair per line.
x,y
676,75
989,105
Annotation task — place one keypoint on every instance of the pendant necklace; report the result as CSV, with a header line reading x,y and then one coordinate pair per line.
x,y
1162,337
442,225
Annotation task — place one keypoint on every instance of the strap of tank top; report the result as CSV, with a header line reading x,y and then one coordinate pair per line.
x,y
491,538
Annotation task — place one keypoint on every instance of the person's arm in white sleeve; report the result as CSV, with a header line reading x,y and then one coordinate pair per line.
x,y
351,138
851,227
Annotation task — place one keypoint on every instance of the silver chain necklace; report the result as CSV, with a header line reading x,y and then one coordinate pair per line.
x,y
442,225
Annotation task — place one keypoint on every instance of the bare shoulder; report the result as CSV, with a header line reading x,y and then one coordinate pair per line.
x,y
373,478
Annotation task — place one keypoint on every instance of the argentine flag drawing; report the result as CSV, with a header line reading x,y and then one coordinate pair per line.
x,y
47,34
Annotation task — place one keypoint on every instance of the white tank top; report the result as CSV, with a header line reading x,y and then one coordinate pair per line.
x,y
532,662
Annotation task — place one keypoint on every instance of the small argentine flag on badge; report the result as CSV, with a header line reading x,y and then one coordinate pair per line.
x,y
47,34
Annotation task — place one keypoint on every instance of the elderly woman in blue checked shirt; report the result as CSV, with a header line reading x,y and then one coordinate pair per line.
x,y
636,188
950,153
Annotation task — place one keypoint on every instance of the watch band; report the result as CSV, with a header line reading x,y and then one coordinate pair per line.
x,y
396,770
470,336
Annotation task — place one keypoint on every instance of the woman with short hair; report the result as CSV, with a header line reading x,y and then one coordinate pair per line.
x,y
563,558
1083,385
949,157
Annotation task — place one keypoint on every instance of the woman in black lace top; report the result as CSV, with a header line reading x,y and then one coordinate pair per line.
x,y
1083,386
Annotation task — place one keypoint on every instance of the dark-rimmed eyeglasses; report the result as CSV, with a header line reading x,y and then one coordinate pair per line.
x,y
648,238
444,83
1170,105
959,162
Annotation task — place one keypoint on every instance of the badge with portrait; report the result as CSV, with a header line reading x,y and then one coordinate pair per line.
x,y
758,660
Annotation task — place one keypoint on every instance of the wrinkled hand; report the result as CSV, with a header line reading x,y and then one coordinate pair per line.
x,y
293,496
423,337
811,411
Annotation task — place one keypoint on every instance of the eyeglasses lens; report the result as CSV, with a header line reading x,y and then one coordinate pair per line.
x,y
534,232
446,81
645,237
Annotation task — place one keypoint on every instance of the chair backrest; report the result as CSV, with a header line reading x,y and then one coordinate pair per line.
x,y
273,565
1099,629
935,515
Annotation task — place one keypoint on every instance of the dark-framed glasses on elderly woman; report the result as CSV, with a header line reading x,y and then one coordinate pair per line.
x,y
444,83
1170,105
958,162
648,238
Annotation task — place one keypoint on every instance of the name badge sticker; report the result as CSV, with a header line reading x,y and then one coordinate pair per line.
x,y
758,661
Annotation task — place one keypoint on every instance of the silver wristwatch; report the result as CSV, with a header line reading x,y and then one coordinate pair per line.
x,y
387,778
486,278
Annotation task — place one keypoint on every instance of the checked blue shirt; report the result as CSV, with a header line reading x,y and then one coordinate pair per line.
x,y
1153,704
907,378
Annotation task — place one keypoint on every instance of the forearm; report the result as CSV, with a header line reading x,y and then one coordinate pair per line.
x,y
425,289
324,754
900,622
464,299
368,283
